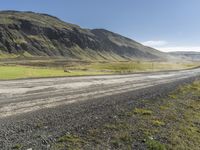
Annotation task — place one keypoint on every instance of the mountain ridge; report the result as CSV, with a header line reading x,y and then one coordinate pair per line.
x,y
40,34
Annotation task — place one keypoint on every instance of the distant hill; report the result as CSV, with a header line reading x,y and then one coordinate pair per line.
x,y
192,56
34,34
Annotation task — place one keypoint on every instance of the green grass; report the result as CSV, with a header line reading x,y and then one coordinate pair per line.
x,y
158,123
141,111
55,67
118,126
155,145
20,41
14,56
70,142
18,72
137,66
4,55
70,138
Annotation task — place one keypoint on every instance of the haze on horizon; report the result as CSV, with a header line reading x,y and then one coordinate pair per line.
x,y
171,25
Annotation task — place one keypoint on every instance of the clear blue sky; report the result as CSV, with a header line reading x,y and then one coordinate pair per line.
x,y
164,24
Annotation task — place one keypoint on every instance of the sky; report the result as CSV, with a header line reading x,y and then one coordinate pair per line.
x,y
168,25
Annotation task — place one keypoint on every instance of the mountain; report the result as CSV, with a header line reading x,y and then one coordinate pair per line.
x,y
192,56
34,34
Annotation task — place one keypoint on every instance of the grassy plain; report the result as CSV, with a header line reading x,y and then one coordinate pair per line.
x,y
19,72
34,68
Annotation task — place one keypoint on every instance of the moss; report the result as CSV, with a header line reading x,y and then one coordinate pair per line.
x,y
115,143
70,138
117,126
141,111
187,136
155,145
36,37
173,96
93,132
39,125
17,146
125,138
20,41
164,107
70,142
122,140
26,54
158,123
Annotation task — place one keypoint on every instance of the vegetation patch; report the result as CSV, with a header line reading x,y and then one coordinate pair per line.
x,y
158,123
164,107
19,72
155,145
142,111
20,41
117,126
17,146
70,142
26,65
70,139
121,140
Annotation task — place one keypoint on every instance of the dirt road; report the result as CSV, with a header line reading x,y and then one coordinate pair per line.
x,y
22,96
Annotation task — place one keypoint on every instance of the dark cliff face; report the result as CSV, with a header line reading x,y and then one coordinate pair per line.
x,y
44,35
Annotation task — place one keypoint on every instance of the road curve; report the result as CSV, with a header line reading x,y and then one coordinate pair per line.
x,y
22,96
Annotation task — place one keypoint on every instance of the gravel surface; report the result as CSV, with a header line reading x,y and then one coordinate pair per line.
x,y
34,113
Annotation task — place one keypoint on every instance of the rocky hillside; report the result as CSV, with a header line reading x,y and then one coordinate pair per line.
x,y
33,34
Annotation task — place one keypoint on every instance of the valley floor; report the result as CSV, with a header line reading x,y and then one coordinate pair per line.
x,y
39,68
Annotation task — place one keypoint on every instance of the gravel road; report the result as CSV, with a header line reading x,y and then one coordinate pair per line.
x,y
72,104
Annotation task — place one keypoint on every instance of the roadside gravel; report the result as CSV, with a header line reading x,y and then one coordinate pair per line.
x,y
40,129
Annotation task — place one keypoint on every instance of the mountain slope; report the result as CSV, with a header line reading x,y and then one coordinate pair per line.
x,y
44,35
192,56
